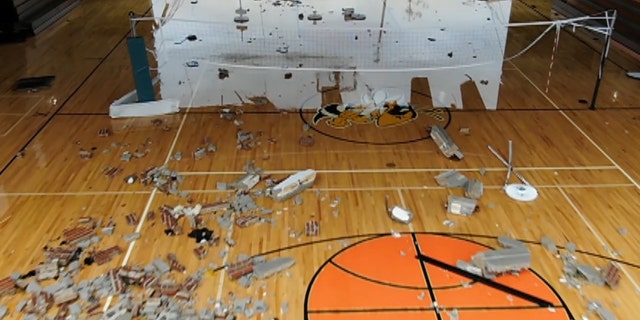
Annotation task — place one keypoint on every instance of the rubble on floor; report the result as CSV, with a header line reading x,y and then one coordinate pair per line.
x,y
445,142
461,206
165,180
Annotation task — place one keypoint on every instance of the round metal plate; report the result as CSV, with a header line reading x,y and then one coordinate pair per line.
x,y
521,192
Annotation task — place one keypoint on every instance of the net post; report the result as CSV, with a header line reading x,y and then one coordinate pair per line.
x,y
603,58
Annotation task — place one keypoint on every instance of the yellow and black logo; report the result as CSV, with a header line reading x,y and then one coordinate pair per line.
x,y
341,116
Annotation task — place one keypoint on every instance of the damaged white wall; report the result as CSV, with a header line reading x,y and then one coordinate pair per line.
x,y
447,42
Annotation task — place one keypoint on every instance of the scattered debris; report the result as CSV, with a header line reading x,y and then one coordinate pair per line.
x,y
507,242
603,313
495,262
104,132
464,131
444,142
269,268
451,179
397,213
104,256
549,244
312,228
473,189
461,206
111,172
131,179
85,154
612,275
293,185
132,237
132,219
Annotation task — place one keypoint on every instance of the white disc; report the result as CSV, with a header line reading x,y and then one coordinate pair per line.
x,y
521,192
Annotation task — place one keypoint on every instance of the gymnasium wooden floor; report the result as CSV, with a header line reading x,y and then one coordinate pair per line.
x,y
584,164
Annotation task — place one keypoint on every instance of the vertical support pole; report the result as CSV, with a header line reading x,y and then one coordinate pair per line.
x,y
140,65
603,60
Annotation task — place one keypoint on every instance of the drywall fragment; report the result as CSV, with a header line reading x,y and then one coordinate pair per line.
x,y
590,274
271,267
161,266
451,179
495,262
445,142
549,244
507,242
468,267
571,247
461,206
473,189
132,237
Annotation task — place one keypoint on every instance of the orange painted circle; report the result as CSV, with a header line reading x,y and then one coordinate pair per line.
x,y
381,278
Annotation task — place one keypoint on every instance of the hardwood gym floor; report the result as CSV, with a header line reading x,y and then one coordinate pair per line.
x,y
584,164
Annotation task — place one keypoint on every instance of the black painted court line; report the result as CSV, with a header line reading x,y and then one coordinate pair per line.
x,y
384,283
393,285
425,274
445,308
493,284
64,103
315,275
371,236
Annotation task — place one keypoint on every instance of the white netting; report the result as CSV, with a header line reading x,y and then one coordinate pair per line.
x,y
257,57
328,49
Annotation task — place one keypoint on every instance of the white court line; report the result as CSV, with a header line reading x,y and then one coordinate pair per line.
x,y
401,170
71,193
497,187
577,127
225,259
575,208
404,205
599,238
146,208
155,190
111,193
22,118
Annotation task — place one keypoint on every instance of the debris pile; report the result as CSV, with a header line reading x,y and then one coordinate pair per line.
x,y
206,148
473,190
247,140
165,180
445,142
492,263
246,270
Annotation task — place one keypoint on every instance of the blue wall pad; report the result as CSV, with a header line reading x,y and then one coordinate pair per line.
x,y
140,67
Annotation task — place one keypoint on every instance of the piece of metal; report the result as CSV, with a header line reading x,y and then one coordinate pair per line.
x,y
516,173
397,213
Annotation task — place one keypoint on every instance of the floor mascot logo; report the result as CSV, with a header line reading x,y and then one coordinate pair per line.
x,y
382,112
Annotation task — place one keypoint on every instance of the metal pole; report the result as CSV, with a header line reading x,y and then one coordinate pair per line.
x,y
603,60
132,15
